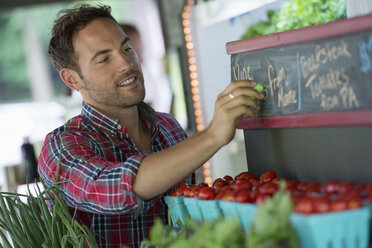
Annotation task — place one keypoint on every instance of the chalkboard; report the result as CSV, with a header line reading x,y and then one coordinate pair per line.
x,y
316,121
324,75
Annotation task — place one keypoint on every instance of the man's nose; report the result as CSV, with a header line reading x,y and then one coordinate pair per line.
x,y
124,61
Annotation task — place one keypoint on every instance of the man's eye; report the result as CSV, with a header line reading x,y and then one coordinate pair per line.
x,y
127,49
104,60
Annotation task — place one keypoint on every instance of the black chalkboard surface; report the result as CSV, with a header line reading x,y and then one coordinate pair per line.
x,y
333,74
316,121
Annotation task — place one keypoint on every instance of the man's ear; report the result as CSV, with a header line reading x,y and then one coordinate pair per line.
x,y
71,78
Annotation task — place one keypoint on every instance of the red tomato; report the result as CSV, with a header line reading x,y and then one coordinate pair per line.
x,y
304,206
243,196
321,204
243,185
302,186
228,188
361,187
268,188
260,198
228,178
354,203
352,194
296,197
187,191
313,187
206,193
229,196
180,189
232,182
368,189
267,176
346,186
218,180
245,175
292,183
255,184
194,192
253,195
202,185
309,187
338,204
220,195
276,180
291,189
332,187
219,184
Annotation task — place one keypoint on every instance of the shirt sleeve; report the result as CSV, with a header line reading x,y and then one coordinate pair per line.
x,y
91,183
171,126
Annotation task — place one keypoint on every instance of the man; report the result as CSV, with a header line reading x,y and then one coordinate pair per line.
x,y
119,157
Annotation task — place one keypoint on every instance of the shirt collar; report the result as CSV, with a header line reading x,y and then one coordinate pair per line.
x,y
111,124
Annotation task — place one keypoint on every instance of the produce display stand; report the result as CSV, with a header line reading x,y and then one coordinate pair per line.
x,y
314,125
316,121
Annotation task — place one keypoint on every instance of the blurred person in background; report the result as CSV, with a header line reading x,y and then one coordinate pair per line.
x,y
119,157
158,90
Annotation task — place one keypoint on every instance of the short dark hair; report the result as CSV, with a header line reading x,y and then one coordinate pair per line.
x,y
70,21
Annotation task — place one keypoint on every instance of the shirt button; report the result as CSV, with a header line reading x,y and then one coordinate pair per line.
x,y
119,126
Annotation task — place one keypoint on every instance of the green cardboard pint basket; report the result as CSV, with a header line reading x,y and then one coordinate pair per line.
x,y
228,209
177,209
369,207
210,209
246,212
192,205
348,228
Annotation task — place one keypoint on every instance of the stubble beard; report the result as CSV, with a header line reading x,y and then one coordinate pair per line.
x,y
113,97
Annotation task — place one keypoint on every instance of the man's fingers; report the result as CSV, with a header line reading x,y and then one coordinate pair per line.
x,y
241,100
238,88
248,91
238,112
238,84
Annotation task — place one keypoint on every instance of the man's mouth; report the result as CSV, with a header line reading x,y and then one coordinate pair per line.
x,y
126,82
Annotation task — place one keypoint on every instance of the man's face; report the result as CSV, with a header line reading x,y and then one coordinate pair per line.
x,y
111,76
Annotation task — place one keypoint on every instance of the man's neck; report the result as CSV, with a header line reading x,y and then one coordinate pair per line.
x,y
137,130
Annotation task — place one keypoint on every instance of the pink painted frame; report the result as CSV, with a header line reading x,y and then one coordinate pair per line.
x,y
321,31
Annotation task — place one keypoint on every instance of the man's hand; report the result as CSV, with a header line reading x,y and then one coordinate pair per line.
x,y
236,100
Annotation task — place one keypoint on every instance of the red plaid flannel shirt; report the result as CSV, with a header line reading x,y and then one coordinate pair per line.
x,y
100,162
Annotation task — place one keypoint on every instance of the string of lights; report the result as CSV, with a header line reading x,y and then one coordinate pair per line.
x,y
194,81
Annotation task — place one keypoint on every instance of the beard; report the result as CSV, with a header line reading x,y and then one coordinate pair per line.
x,y
113,95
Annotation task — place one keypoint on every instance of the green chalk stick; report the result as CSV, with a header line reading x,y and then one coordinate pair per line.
x,y
259,87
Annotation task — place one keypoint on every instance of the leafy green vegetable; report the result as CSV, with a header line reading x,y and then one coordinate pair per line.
x,y
298,14
211,234
34,224
271,226
263,27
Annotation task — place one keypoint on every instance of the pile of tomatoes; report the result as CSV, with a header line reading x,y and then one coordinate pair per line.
x,y
307,197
